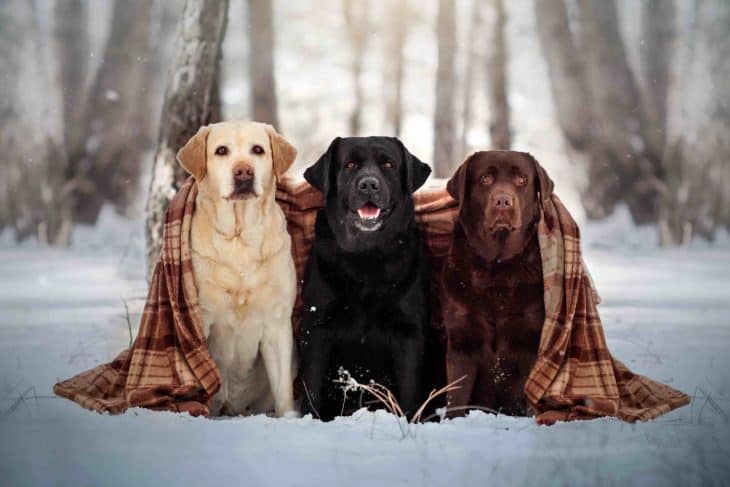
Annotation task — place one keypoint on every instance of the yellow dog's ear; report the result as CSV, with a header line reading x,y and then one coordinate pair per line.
x,y
192,156
282,152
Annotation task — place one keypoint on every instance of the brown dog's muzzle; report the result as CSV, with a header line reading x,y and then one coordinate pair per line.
x,y
243,175
502,211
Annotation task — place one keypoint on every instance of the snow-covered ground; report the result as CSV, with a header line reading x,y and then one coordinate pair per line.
x,y
666,314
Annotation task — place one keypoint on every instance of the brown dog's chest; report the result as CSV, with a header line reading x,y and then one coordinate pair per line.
x,y
502,303
512,294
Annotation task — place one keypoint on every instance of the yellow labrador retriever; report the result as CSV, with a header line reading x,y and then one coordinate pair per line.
x,y
242,263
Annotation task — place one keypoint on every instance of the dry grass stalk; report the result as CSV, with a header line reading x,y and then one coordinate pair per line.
x,y
384,396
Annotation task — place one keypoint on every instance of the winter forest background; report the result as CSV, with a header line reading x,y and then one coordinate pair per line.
x,y
625,102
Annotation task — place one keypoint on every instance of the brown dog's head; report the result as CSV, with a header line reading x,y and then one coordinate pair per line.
x,y
500,195
236,160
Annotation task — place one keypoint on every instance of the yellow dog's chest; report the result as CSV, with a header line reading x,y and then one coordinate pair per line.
x,y
227,273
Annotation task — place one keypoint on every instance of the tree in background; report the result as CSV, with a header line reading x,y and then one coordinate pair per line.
x,y
658,27
108,159
187,105
656,142
396,31
261,61
443,119
357,20
31,188
599,108
71,38
697,200
499,115
475,21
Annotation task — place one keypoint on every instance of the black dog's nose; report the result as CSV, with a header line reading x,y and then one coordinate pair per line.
x,y
503,201
369,184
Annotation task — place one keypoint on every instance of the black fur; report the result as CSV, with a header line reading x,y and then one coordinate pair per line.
x,y
366,286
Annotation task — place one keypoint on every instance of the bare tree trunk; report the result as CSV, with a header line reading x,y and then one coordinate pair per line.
x,y
471,62
497,79
357,21
261,61
187,106
599,109
108,164
72,41
658,19
568,84
443,129
395,38
635,170
31,183
698,174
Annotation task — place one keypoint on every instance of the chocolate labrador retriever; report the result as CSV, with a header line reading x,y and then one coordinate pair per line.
x,y
366,285
492,289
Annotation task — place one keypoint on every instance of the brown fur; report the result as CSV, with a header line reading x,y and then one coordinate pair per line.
x,y
492,292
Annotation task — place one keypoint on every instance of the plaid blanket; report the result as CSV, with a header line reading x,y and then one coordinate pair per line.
x,y
168,366
575,376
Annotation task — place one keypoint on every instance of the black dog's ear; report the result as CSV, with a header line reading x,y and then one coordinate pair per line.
x,y
545,184
318,174
417,171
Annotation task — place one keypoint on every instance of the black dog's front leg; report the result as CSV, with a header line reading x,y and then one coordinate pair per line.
x,y
314,351
408,356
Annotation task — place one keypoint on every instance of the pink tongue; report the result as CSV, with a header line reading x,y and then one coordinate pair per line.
x,y
369,211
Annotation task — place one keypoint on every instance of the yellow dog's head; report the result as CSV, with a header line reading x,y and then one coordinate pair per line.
x,y
237,160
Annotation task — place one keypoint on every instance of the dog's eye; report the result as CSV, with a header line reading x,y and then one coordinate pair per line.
x,y
349,165
388,165
520,180
487,179
257,149
221,150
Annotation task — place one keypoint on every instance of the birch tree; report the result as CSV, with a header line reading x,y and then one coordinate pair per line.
x,y
187,105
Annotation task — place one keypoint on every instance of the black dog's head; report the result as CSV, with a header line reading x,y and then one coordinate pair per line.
x,y
367,183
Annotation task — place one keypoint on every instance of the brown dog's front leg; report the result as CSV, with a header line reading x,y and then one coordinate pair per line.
x,y
459,365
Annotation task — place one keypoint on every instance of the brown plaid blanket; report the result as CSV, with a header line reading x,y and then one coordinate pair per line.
x,y
575,376
169,367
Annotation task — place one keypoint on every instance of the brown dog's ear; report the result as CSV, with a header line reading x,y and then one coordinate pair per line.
x,y
456,186
282,152
546,184
192,156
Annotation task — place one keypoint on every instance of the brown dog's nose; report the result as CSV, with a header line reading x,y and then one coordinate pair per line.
x,y
242,172
503,201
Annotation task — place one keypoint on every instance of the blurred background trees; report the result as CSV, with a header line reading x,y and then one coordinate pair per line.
x,y
625,101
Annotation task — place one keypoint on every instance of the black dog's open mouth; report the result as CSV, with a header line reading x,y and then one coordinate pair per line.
x,y
370,217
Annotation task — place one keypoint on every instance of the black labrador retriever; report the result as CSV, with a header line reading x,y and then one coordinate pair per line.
x,y
366,285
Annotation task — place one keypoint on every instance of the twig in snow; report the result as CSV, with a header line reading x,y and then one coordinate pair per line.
x,y
464,408
384,396
309,398
129,323
18,401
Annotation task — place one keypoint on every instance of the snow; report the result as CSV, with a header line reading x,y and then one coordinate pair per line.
x,y
665,314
